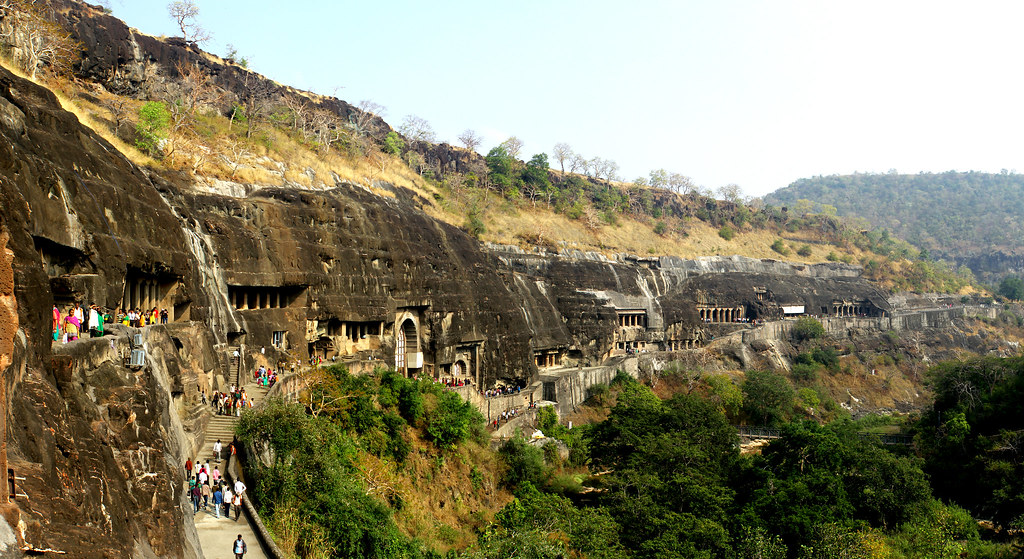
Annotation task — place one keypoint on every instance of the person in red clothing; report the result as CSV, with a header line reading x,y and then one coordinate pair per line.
x,y
56,323
188,468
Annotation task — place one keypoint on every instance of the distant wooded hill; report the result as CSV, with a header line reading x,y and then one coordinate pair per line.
x,y
971,218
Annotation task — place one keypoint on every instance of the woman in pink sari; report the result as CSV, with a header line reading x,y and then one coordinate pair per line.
x,y
72,326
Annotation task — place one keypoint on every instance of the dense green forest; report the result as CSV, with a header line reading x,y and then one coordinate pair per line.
x,y
657,478
949,214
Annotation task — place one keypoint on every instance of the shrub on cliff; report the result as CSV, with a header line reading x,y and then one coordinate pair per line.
x,y
808,328
151,129
524,463
1012,287
668,461
451,420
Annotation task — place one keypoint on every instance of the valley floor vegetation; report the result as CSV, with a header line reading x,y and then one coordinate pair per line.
x,y
383,466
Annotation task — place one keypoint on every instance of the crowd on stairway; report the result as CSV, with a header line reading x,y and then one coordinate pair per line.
x,y
207,488
264,377
231,402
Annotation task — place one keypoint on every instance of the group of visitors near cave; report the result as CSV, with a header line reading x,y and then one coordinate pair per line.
x,y
456,382
503,391
235,400
207,488
264,377
76,321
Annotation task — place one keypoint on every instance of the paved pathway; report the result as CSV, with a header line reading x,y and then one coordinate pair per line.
x,y
216,535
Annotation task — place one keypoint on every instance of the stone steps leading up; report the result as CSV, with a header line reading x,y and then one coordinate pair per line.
x,y
214,532
222,427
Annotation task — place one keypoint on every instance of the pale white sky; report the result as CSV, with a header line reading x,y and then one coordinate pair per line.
x,y
757,93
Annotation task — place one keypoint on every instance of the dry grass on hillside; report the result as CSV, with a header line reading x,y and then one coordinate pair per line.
x,y
86,115
271,157
636,236
274,156
445,497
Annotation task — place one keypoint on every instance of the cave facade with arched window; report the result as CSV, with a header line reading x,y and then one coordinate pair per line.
x,y
408,354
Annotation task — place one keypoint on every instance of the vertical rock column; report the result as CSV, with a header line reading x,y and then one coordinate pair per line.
x,y
8,329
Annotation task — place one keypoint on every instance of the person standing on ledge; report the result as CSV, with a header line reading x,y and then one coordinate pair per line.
x,y
238,547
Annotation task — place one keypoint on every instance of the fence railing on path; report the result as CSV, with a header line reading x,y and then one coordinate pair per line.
x,y
288,384
266,541
755,432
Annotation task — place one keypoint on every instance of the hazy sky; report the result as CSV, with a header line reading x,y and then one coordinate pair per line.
x,y
757,93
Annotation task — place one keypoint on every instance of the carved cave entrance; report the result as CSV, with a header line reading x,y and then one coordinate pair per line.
x,y
144,291
408,359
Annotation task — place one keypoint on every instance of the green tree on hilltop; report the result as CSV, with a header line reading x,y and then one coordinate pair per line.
x,y
393,143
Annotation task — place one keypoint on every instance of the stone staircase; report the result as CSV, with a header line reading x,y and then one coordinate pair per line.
x,y
222,427
213,532
235,368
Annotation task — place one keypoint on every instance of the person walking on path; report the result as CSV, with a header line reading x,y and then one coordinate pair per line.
x,y
236,502
217,448
206,495
228,496
239,487
196,497
238,548
218,500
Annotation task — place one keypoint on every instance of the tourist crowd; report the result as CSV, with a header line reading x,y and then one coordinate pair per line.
x,y
207,487
502,391
231,402
76,322
456,382
264,377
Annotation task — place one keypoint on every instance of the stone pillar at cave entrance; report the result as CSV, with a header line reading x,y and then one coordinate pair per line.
x,y
8,329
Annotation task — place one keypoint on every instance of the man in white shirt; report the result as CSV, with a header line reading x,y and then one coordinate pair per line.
x,y
227,501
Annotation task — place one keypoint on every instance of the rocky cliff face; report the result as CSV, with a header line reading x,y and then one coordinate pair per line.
x,y
993,266
90,442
